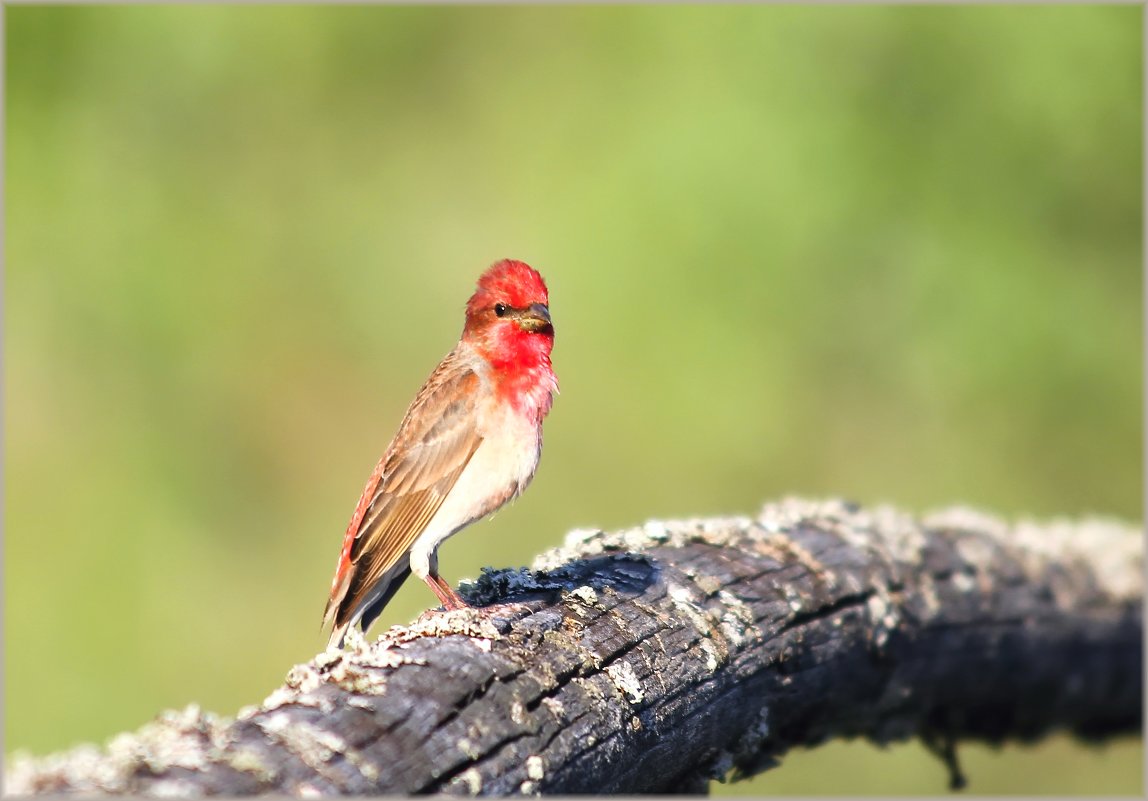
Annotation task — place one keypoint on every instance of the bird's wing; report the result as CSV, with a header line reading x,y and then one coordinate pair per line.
x,y
435,442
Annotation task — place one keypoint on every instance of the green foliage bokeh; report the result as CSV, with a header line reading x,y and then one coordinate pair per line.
x,y
887,253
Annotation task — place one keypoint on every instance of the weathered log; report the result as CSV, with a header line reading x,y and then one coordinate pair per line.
x,y
653,658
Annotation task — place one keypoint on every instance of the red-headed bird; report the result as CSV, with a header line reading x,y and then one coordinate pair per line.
x,y
469,443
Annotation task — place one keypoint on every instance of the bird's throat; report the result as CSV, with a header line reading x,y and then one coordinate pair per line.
x,y
520,362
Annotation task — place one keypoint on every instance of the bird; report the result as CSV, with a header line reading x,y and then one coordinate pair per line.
x,y
470,442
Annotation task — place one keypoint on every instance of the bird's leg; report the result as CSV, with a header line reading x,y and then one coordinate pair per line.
x,y
449,598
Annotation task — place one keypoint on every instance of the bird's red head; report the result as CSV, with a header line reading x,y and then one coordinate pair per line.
x,y
508,316
514,283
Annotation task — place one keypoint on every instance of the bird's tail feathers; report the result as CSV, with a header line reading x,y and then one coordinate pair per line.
x,y
369,607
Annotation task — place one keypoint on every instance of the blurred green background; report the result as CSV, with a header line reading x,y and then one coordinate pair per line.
x,y
887,253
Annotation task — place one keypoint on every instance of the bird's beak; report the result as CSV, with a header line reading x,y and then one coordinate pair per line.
x,y
535,319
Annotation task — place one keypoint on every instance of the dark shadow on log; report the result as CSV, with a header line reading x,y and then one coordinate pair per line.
x,y
654,658
628,574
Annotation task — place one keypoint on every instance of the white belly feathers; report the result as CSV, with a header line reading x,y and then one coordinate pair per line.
x,y
500,469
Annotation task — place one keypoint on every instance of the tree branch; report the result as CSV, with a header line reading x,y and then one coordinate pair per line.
x,y
652,658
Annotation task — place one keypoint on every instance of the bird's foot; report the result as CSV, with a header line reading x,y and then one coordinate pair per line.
x,y
450,599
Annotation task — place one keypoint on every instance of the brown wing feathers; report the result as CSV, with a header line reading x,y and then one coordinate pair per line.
x,y
421,466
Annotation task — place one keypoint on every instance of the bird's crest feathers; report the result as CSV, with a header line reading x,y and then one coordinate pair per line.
x,y
509,281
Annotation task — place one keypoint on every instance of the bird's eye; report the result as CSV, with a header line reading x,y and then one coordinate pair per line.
x,y
500,309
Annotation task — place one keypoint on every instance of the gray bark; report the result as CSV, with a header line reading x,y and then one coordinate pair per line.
x,y
654,658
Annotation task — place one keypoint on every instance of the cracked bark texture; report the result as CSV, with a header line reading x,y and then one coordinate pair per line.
x,y
654,658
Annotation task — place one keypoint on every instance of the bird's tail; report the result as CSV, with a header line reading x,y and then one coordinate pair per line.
x,y
368,608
